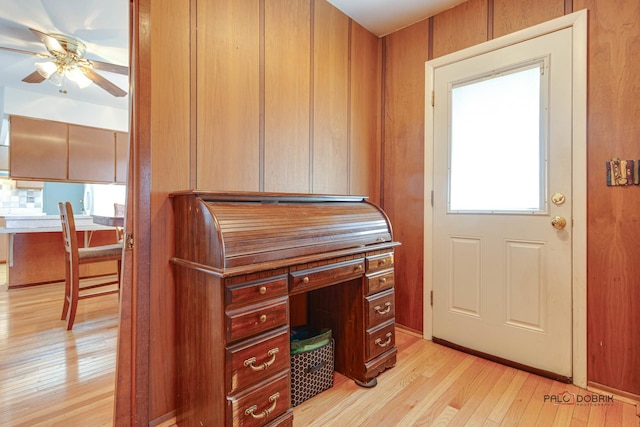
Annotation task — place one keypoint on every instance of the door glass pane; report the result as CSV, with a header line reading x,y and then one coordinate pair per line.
x,y
496,144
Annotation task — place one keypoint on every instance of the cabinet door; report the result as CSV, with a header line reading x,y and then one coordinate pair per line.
x,y
38,149
122,156
92,154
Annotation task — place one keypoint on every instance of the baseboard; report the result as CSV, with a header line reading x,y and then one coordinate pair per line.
x,y
623,396
166,420
409,331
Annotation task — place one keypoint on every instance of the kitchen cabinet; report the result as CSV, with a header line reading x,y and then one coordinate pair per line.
x,y
46,150
122,156
92,154
38,149
35,251
38,258
4,249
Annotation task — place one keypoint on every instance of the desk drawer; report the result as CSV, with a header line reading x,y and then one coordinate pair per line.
x,y
380,339
379,262
254,360
256,290
251,320
379,282
380,308
260,405
325,275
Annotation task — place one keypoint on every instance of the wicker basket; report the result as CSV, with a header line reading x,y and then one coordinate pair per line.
x,y
311,373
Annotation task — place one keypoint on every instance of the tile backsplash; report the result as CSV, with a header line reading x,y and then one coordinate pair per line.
x,y
19,201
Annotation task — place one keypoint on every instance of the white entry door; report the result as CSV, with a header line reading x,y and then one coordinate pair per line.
x,y
502,203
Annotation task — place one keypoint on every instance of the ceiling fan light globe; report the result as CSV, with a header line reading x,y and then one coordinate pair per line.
x,y
46,69
78,77
57,78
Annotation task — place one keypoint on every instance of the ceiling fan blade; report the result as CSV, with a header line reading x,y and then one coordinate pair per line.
x,y
39,55
106,66
51,43
34,77
104,83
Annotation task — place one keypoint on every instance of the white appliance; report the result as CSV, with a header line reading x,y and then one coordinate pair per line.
x,y
99,198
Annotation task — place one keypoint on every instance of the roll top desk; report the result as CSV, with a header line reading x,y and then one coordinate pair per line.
x,y
239,259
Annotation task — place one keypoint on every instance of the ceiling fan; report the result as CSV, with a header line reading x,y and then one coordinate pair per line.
x,y
66,61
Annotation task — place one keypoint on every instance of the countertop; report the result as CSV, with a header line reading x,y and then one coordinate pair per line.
x,y
11,224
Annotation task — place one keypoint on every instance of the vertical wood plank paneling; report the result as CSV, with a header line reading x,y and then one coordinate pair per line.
x,y
510,16
462,26
364,157
228,105
170,160
403,168
287,97
330,99
613,294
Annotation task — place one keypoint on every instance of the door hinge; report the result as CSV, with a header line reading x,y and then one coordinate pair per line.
x,y
431,297
431,198
433,98
128,238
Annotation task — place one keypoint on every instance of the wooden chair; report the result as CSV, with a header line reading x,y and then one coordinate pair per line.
x,y
118,210
76,256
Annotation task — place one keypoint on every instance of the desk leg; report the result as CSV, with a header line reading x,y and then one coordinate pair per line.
x,y
369,384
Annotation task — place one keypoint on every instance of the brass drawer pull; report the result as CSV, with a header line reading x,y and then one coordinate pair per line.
x,y
383,280
359,267
382,262
386,343
264,414
249,362
380,310
306,279
263,318
262,290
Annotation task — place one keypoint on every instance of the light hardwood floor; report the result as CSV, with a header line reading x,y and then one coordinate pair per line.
x,y
435,385
52,377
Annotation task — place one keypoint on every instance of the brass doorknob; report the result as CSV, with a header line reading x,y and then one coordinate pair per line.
x,y
558,222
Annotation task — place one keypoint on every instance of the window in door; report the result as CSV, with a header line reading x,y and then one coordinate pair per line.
x,y
497,142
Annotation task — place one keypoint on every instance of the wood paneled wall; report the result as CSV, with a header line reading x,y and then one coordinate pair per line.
x,y
613,252
228,94
274,95
405,53
366,112
170,171
613,310
460,27
285,95
252,96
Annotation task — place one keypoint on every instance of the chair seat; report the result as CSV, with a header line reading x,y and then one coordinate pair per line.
x,y
114,250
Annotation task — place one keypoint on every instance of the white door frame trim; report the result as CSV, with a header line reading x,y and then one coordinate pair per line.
x,y
578,22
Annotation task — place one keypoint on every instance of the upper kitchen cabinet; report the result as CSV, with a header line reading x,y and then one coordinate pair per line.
x,y
122,156
91,154
38,149
46,150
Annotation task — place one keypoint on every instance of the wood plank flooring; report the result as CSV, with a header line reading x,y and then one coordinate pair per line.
x,y
432,385
51,377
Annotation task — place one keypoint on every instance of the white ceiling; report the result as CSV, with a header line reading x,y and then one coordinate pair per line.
x,y
382,17
103,25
